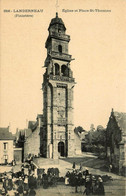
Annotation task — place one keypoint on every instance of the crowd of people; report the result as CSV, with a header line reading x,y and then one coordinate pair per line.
x,y
28,179
93,184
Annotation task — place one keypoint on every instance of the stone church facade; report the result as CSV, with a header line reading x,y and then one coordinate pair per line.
x,y
57,131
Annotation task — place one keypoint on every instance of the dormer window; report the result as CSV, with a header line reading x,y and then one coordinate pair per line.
x,y
60,48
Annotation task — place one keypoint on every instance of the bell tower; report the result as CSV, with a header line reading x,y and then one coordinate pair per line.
x,y
57,137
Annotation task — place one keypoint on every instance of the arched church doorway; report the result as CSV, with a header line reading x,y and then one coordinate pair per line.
x,y
61,149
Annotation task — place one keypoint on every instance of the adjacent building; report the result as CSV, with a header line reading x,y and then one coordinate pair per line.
x,y
116,140
6,146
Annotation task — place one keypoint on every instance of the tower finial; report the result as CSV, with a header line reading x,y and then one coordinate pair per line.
x,y
112,111
56,14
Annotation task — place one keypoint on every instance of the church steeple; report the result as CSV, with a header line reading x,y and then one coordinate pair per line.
x,y
57,48
58,83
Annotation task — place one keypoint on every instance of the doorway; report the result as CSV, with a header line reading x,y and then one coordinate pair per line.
x,y
5,159
61,149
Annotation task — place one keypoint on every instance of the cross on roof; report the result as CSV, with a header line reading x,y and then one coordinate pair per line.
x,y
57,5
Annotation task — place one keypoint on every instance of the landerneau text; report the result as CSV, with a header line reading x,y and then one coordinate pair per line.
x,y
23,12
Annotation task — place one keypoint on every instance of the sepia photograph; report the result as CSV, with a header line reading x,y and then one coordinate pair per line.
x,y
62,97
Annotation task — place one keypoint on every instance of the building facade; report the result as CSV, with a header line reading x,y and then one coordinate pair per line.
x,y
6,146
116,140
57,136
32,137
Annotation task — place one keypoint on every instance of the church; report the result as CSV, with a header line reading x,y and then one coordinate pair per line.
x,y
52,135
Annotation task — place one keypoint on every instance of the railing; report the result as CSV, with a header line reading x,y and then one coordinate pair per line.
x,y
60,55
60,35
61,78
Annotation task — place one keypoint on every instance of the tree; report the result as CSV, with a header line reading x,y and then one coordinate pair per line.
x,y
95,140
92,128
78,129
21,140
100,128
98,137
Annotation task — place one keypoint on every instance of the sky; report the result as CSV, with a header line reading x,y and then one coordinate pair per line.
x,y
97,44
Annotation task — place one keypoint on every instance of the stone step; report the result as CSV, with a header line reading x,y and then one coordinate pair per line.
x,y
45,161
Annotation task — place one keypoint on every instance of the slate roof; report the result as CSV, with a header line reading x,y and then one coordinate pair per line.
x,y
57,20
31,124
121,120
28,132
5,134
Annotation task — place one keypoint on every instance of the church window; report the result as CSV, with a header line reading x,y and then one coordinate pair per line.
x,y
60,48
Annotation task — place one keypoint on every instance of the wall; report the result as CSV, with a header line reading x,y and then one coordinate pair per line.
x,y
122,156
77,144
32,144
18,155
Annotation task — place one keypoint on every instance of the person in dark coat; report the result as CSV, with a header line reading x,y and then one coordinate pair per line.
x,y
20,190
74,165
32,192
76,182
32,181
57,172
94,185
45,181
100,190
20,181
80,166
80,178
86,172
5,184
88,186
26,186
10,183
